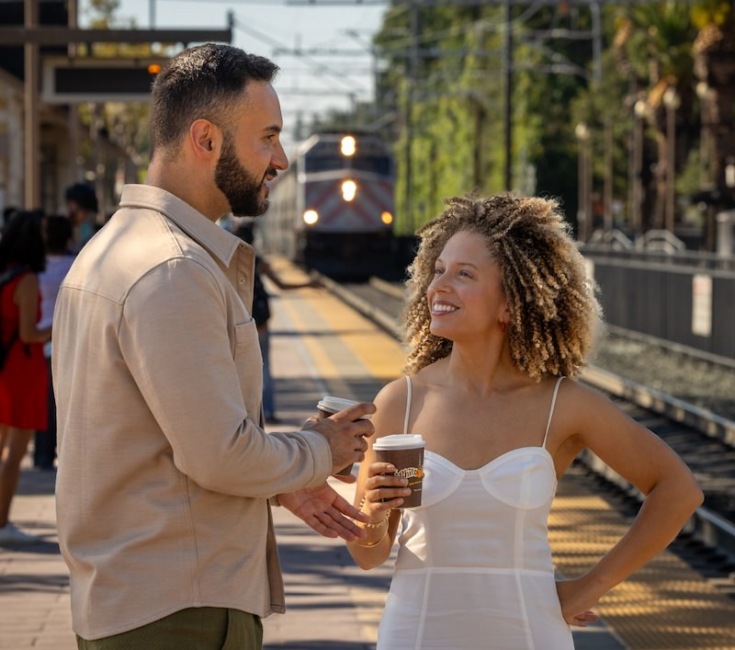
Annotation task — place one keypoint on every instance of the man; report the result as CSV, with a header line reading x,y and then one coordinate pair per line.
x,y
82,208
164,472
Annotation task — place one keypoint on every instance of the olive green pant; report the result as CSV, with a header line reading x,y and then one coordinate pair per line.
x,y
196,628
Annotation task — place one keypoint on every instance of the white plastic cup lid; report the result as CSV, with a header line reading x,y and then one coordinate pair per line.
x,y
334,404
400,441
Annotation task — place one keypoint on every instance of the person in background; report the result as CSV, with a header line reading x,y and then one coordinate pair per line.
x,y
500,320
158,378
23,376
262,313
82,208
7,213
57,235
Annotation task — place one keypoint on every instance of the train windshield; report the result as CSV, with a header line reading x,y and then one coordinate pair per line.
x,y
380,165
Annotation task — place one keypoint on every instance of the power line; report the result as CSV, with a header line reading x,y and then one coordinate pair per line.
x,y
314,65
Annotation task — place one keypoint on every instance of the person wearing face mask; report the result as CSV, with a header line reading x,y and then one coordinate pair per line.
x,y
500,320
165,475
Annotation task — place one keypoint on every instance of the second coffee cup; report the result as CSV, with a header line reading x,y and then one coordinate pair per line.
x,y
329,405
405,451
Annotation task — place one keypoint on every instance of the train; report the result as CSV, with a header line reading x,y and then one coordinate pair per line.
x,y
332,210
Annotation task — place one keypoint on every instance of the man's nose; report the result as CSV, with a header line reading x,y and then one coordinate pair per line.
x,y
280,159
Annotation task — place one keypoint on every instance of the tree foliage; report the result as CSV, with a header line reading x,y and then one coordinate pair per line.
x,y
444,80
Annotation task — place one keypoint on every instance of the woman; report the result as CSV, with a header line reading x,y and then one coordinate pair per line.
x,y
57,232
500,320
23,377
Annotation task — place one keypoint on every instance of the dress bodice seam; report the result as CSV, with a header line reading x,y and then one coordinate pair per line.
x,y
489,465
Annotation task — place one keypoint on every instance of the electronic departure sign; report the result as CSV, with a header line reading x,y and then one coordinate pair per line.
x,y
70,81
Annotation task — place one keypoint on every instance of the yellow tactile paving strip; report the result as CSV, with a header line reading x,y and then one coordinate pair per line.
x,y
371,351
664,606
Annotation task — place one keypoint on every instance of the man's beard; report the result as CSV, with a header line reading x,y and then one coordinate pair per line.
x,y
239,186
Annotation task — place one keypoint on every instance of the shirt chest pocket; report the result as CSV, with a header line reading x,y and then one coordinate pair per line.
x,y
249,363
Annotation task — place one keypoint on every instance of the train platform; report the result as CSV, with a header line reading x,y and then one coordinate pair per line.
x,y
320,346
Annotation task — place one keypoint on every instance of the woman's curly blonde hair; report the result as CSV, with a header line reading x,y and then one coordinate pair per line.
x,y
553,306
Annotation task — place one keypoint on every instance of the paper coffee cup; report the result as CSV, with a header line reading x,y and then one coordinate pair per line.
x,y
328,405
405,451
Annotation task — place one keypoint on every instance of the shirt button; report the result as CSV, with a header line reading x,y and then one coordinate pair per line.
x,y
241,280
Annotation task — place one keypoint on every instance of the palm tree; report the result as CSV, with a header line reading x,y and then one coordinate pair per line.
x,y
654,42
714,52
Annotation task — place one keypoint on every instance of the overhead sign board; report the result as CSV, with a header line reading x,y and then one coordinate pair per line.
x,y
75,80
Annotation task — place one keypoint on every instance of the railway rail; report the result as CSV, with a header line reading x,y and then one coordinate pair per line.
x,y
688,402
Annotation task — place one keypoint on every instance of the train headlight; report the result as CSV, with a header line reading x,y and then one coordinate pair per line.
x,y
349,190
311,217
348,146
386,217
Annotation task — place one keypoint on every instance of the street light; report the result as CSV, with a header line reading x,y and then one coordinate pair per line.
x,y
671,102
584,180
640,113
706,95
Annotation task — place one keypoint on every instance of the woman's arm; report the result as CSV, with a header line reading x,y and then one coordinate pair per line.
x,y
671,491
376,482
26,297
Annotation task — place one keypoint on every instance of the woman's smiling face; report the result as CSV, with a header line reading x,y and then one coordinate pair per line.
x,y
466,296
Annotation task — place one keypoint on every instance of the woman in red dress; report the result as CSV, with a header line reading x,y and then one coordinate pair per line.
x,y
23,376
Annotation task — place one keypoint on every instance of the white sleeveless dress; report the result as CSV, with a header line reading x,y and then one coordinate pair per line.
x,y
474,568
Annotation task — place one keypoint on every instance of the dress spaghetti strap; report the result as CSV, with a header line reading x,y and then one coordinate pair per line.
x,y
551,410
408,404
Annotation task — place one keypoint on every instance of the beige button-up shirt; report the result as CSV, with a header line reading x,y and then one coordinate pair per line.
x,y
164,474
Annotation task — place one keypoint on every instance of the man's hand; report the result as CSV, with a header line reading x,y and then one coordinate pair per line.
x,y
345,432
325,511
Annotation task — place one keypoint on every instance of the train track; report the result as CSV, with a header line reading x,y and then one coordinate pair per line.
x,y
704,438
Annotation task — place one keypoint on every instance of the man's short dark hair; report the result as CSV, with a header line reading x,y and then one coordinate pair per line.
x,y
201,83
83,195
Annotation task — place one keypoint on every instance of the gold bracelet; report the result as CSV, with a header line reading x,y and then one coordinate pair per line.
x,y
375,543
372,524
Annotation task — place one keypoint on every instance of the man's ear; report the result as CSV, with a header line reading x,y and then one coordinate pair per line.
x,y
205,139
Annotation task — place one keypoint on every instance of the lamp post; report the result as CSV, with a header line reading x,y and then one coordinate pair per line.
x,y
671,102
608,187
640,111
704,92
584,180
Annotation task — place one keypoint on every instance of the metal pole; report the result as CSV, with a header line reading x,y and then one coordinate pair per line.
x,y
75,172
411,84
588,216
32,130
639,112
508,94
671,103
670,164
584,181
608,189
596,39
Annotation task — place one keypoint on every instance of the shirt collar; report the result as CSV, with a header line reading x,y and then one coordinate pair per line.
x,y
217,240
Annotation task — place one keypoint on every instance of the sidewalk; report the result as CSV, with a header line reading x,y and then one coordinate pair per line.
x,y
34,582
